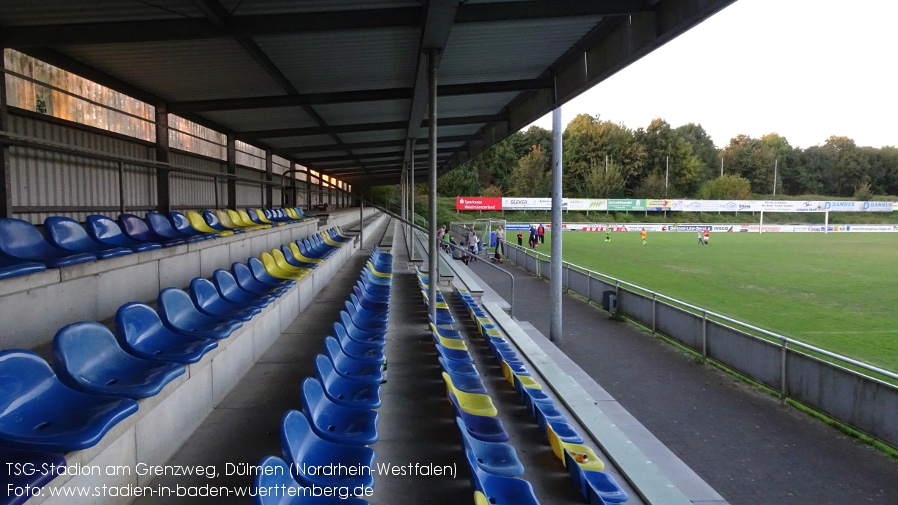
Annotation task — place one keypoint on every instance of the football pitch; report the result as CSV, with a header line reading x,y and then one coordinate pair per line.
x,y
834,291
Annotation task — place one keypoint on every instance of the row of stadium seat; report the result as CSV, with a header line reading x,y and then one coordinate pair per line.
x,y
582,463
98,375
338,422
24,249
495,468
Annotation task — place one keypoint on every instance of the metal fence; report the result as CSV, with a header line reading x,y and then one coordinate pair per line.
x,y
852,392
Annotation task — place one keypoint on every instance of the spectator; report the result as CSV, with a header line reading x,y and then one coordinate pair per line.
x,y
520,239
541,234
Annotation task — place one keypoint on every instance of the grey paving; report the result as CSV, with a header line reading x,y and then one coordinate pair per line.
x,y
742,442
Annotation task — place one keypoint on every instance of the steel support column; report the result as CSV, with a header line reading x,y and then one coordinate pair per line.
x,y
5,166
361,223
269,177
433,253
411,203
232,170
308,188
163,184
555,327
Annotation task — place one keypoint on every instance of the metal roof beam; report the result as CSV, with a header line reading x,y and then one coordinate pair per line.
x,y
365,145
365,127
374,156
129,32
367,95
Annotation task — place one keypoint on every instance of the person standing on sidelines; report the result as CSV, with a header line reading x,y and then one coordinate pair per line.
x,y
541,234
707,236
700,241
642,235
520,239
500,240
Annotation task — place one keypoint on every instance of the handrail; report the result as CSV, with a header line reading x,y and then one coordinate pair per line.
x,y
781,338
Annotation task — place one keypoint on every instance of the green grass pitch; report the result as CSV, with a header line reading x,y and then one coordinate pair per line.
x,y
837,291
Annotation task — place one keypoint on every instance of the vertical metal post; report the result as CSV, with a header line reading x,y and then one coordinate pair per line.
x,y
776,162
121,187
232,170
361,223
215,184
704,336
163,187
433,254
654,311
308,187
556,266
783,372
269,178
411,204
589,285
5,163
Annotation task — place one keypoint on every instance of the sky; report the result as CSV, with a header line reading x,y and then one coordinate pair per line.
x,y
805,69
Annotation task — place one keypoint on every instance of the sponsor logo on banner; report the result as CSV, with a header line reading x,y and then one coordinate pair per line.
x,y
842,206
586,204
657,205
478,203
878,206
626,204
529,203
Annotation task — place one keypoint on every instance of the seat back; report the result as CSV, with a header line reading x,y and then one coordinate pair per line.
x,y
23,374
105,230
136,322
246,219
176,307
225,220
182,223
67,233
212,220
136,228
226,283
236,218
21,239
314,401
162,226
81,347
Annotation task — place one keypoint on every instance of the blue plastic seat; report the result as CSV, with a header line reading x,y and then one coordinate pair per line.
x,y
381,310
180,315
231,291
39,468
37,411
137,229
343,391
351,368
335,422
494,457
359,350
366,302
597,487
367,324
140,332
182,224
88,358
13,268
360,335
106,231
457,367
304,449
66,233
280,488
209,301
22,241
500,490
247,281
160,225
215,224
467,383
308,251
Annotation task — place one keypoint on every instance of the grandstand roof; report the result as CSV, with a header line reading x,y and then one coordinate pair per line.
x,y
340,85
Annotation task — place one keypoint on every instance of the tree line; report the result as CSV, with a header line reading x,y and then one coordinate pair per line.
x,y
602,159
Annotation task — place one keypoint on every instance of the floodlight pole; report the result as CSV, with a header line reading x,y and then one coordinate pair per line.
x,y
775,163
555,326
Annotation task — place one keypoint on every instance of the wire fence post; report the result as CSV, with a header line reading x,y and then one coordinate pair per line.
x,y
704,336
785,351
654,311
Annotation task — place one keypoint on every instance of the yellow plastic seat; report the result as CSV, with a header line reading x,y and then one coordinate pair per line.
x,y
272,268
225,220
244,216
200,224
583,455
440,305
527,381
451,343
507,372
237,220
281,262
472,403
329,241
261,214
480,499
302,257
292,213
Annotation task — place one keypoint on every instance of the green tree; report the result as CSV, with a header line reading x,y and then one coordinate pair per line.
x,y
530,178
590,143
703,148
605,181
670,156
462,181
728,187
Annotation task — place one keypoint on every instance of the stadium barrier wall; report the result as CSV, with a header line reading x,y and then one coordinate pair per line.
x,y
858,399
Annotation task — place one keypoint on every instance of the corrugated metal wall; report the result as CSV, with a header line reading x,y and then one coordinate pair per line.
x,y
248,194
189,191
44,179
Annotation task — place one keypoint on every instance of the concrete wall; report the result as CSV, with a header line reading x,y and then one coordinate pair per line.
x,y
863,402
36,306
